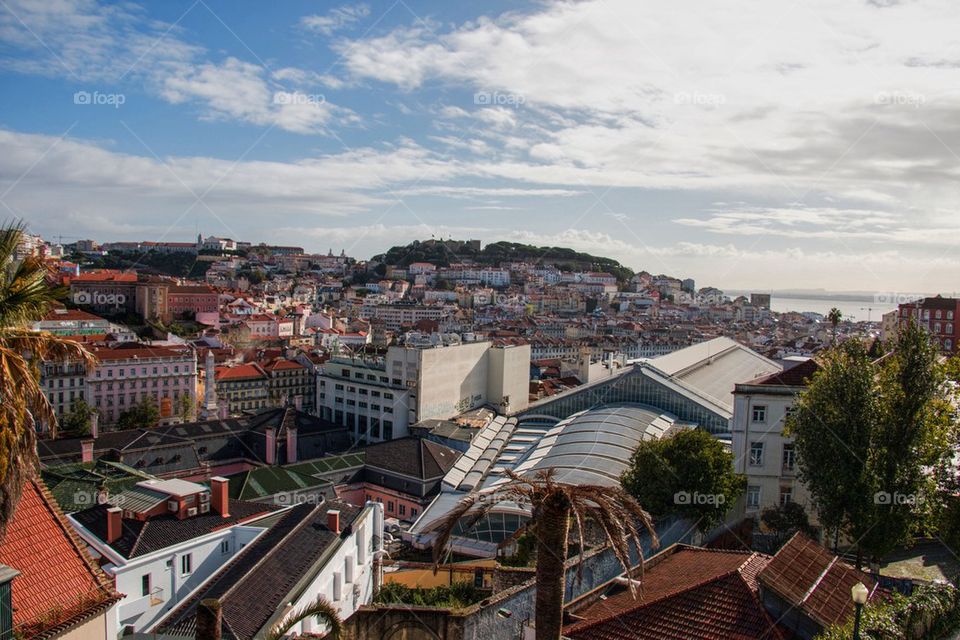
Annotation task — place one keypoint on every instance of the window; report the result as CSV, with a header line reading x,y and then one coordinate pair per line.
x,y
786,494
225,546
788,456
753,497
413,513
402,508
145,584
759,413
389,506
186,564
756,454
387,430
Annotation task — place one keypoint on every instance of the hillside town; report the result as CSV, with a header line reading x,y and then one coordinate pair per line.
x,y
526,320
275,426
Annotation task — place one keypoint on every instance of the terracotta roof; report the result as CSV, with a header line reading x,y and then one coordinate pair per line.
x,y
56,574
281,364
688,593
798,375
239,372
131,350
106,276
813,580
69,314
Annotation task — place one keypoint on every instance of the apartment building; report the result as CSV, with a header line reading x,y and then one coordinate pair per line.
x,y
163,539
939,316
244,387
132,372
761,450
394,316
380,397
64,383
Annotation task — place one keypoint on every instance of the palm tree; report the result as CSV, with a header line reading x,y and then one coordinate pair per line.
x,y
25,295
321,608
834,316
553,504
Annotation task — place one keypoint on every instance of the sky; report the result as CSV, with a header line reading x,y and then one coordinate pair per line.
x,y
747,144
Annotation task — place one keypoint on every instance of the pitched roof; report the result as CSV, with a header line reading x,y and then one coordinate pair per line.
x,y
813,580
257,582
131,350
410,456
59,586
798,375
689,593
140,538
239,372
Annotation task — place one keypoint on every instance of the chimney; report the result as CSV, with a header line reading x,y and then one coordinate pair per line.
x,y
95,424
114,524
333,521
291,445
271,445
209,620
219,495
86,450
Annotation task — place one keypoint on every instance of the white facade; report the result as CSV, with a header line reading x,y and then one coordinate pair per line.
x,y
155,583
378,400
761,452
348,575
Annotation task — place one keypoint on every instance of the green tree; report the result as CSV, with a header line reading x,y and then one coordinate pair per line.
x,y
25,296
832,423
689,474
835,316
867,436
785,520
76,422
142,415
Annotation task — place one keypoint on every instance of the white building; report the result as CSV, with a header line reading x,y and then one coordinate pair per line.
x,y
761,451
380,397
163,539
326,550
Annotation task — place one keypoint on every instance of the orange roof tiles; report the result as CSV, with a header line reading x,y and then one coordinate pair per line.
x,y
814,580
55,572
239,372
689,594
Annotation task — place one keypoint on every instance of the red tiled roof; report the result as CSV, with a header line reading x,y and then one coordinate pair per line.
x,y
69,314
239,372
106,276
281,364
690,594
813,580
130,350
796,376
56,575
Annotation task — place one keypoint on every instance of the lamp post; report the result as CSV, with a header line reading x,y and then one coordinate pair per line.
x,y
859,594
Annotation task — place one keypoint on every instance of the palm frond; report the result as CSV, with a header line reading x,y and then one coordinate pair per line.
x,y
321,608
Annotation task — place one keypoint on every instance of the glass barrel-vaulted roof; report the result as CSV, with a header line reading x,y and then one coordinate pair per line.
x,y
594,446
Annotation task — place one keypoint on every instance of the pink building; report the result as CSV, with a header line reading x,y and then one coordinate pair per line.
x,y
132,372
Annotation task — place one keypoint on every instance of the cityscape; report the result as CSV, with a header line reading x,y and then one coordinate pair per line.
x,y
519,321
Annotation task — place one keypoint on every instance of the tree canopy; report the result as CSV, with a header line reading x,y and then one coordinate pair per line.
x,y
689,474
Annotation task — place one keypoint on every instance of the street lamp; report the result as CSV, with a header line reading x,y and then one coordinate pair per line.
x,y
859,594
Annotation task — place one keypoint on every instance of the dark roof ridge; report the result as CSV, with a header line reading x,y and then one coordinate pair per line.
x,y
308,517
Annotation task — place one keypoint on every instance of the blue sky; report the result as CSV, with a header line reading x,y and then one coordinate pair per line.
x,y
758,145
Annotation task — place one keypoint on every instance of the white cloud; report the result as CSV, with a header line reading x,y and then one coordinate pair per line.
x,y
336,19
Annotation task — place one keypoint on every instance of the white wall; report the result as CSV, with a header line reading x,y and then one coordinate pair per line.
x,y
770,476
355,551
